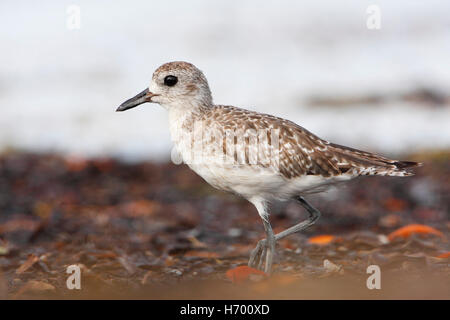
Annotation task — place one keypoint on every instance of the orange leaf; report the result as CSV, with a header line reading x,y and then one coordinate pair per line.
x,y
322,239
243,273
444,255
408,230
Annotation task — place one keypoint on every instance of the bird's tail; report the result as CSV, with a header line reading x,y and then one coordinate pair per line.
x,y
358,162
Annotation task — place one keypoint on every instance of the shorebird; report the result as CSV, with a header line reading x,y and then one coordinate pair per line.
x,y
287,161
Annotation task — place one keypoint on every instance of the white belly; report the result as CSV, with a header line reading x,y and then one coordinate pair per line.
x,y
251,181
244,180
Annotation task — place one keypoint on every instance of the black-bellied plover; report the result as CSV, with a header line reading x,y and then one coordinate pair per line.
x,y
260,157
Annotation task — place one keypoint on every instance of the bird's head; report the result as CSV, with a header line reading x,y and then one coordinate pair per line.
x,y
175,84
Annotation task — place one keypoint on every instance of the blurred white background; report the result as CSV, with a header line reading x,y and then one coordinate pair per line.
x,y
59,87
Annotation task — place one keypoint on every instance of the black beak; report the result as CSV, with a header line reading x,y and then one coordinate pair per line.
x,y
140,98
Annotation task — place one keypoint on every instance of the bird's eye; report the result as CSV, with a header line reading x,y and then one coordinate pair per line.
x,y
170,81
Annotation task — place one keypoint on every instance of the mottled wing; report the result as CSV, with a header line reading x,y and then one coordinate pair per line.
x,y
305,153
299,151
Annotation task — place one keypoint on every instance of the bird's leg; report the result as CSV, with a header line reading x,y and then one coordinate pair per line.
x,y
257,254
264,250
270,246
314,215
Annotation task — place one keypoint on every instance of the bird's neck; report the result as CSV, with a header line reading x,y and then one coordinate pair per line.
x,y
182,119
